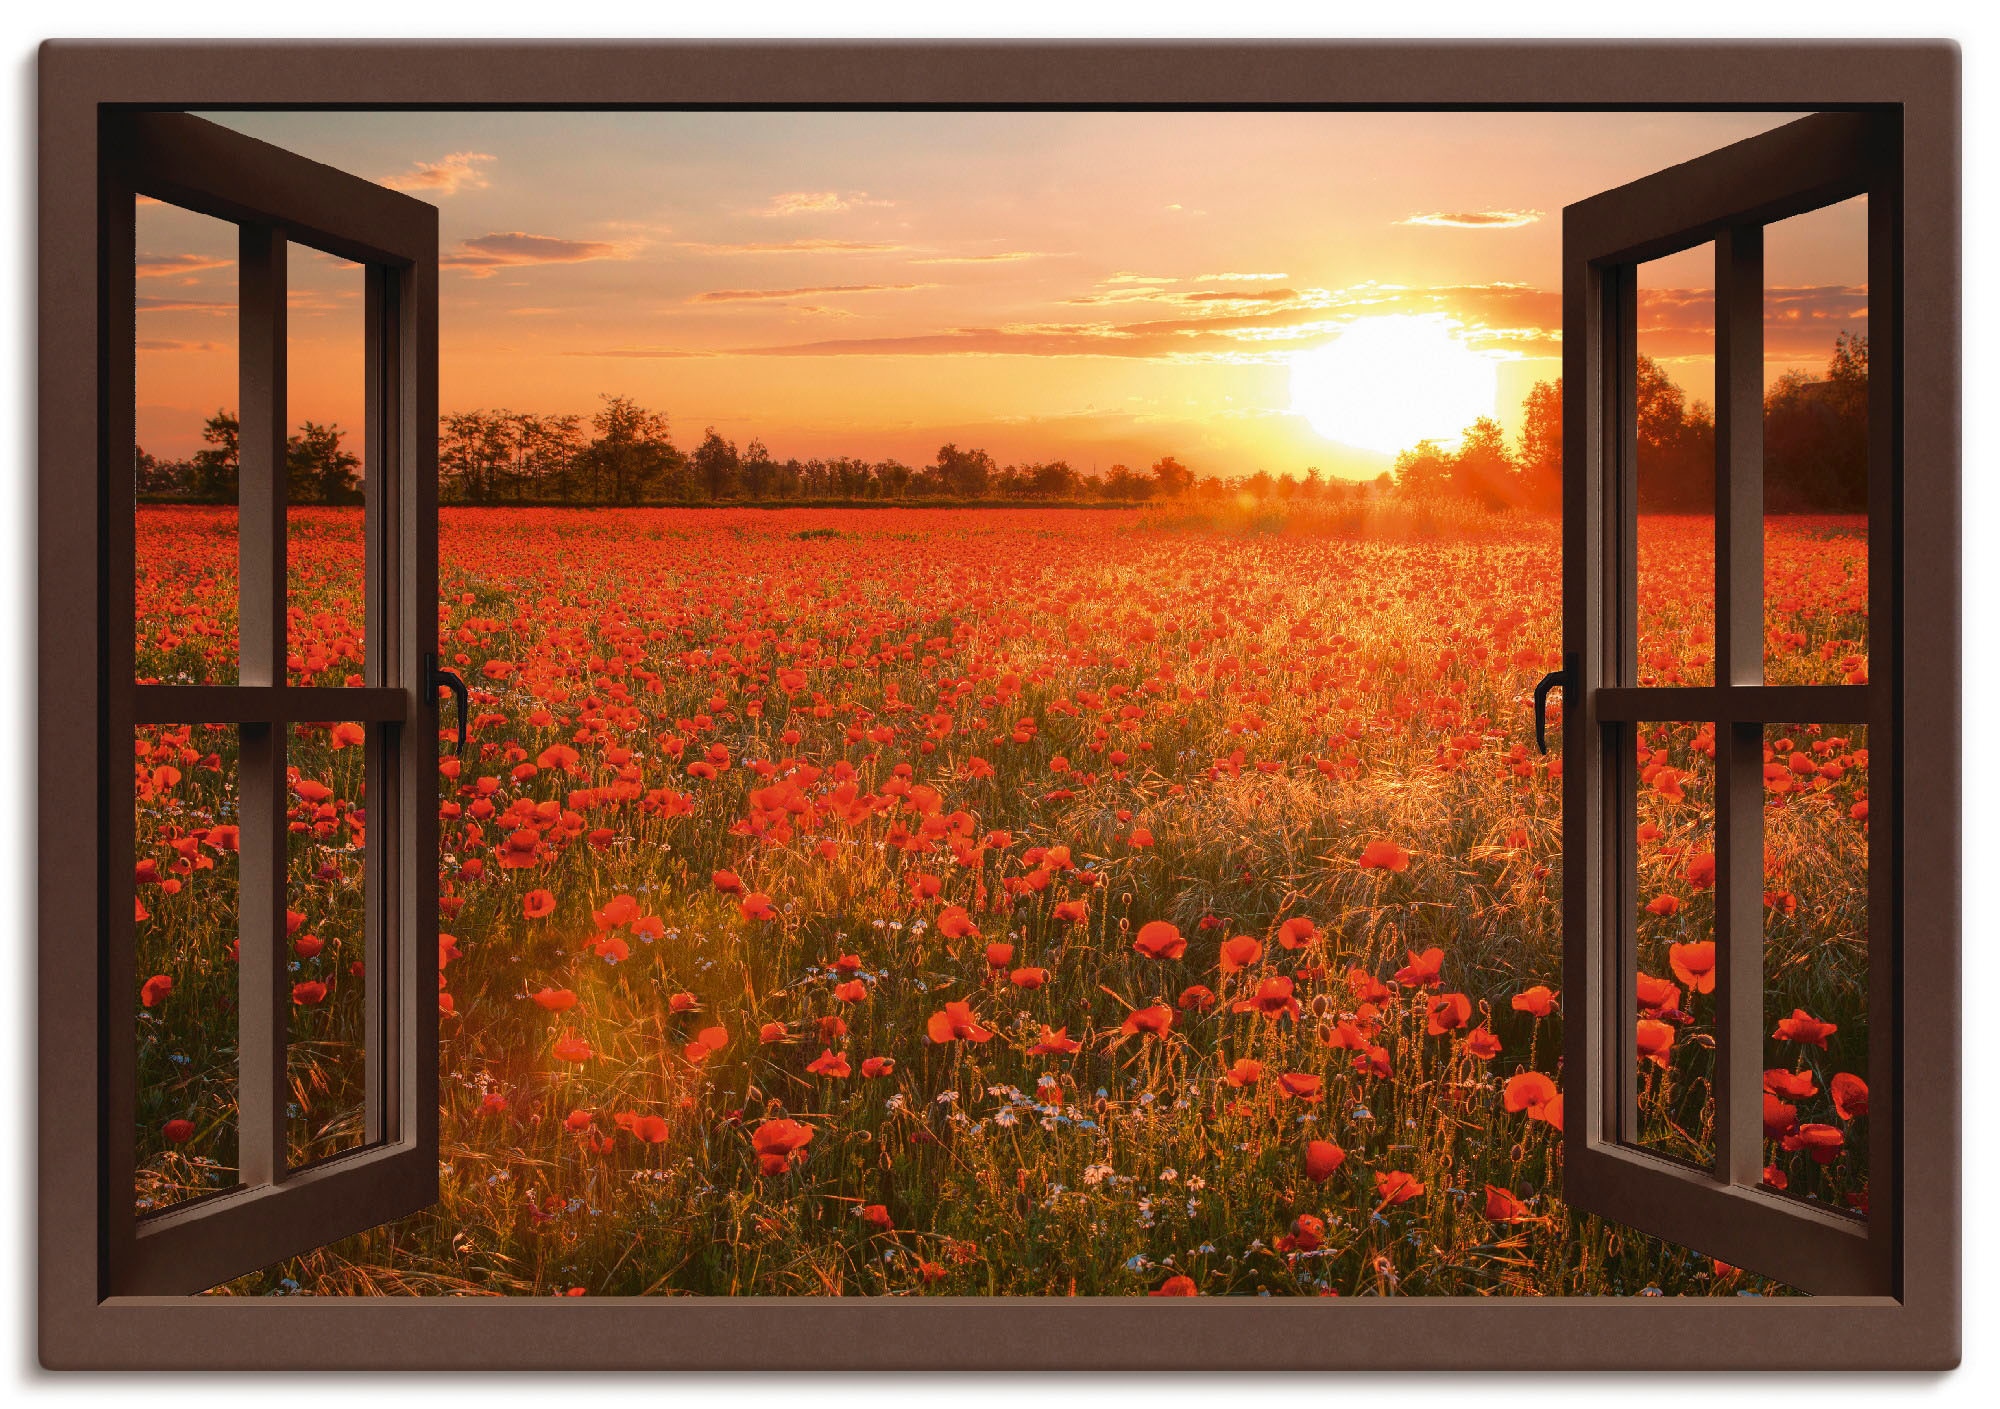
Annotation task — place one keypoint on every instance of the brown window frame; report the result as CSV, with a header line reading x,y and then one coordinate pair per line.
x,y
275,199
1726,197
84,1323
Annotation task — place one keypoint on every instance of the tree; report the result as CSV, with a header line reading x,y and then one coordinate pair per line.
x,y
217,468
1676,445
1171,478
1481,468
317,469
716,464
473,456
631,458
1816,435
1540,455
1055,480
1121,483
759,471
1424,472
963,474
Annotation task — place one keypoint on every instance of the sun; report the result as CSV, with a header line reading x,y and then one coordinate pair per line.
x,y
1386,383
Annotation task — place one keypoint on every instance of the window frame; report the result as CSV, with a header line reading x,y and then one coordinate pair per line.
x,y
1728,197
80,1325
275,199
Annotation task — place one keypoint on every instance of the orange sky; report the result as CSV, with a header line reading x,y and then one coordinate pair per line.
x,y
1098,287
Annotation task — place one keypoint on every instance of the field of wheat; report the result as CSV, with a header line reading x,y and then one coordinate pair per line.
x,y
999,902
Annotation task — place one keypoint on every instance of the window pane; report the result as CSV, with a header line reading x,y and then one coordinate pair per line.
x,y
185,460
185,844
1816,962
1816,447
1675,381
326,915
1675,920
325,549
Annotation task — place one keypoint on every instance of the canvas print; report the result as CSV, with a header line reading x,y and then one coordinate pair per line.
x,y
1001,753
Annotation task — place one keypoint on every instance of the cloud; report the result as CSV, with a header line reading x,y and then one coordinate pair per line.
x,y
641,352
174,345
1007,257
793,247
149,303
759,295
1238,278
818,202
1125,276
153,266
447,176
1475,219
1232,325
482,254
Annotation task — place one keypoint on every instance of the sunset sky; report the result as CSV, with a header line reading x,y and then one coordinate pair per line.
x,y
1096,287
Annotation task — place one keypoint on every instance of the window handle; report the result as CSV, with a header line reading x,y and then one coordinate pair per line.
x,y
1554,680
449,680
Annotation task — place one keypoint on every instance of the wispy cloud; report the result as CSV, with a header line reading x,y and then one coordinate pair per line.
x,y
1474,219
662,353
1126,276
174,345
819,202
1238,278
447,176
1005,257
781,295
150,303
792,247
482,254
154,266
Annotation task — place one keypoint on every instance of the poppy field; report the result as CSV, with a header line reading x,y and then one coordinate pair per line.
x,y
1000,902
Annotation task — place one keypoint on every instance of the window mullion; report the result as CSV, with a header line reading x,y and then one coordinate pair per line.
x,y
263,1010
1739,662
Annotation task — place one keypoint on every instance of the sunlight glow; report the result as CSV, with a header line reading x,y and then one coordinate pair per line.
x,y
1386,383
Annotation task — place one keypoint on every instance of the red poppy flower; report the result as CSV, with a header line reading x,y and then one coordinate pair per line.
x,y
538,903
1850,1095
1394,1187
830,1063
778,1143
1273,999
1298,932
1447,1012
154,990
956,1023
1503,1207
1424,970
1240,953
1150,1022
1384,856
1323,1158
1159,940
1539,1001
1176,1286
1694,965
1302,1086
1802,1027
1244,1073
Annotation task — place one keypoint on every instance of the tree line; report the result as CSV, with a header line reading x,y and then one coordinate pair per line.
x,y
1815,446
1815,450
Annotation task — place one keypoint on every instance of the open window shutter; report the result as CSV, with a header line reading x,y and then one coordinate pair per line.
x,y
276,198
1727,197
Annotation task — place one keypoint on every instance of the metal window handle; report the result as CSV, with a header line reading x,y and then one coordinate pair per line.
x,y
1554,680
449,680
